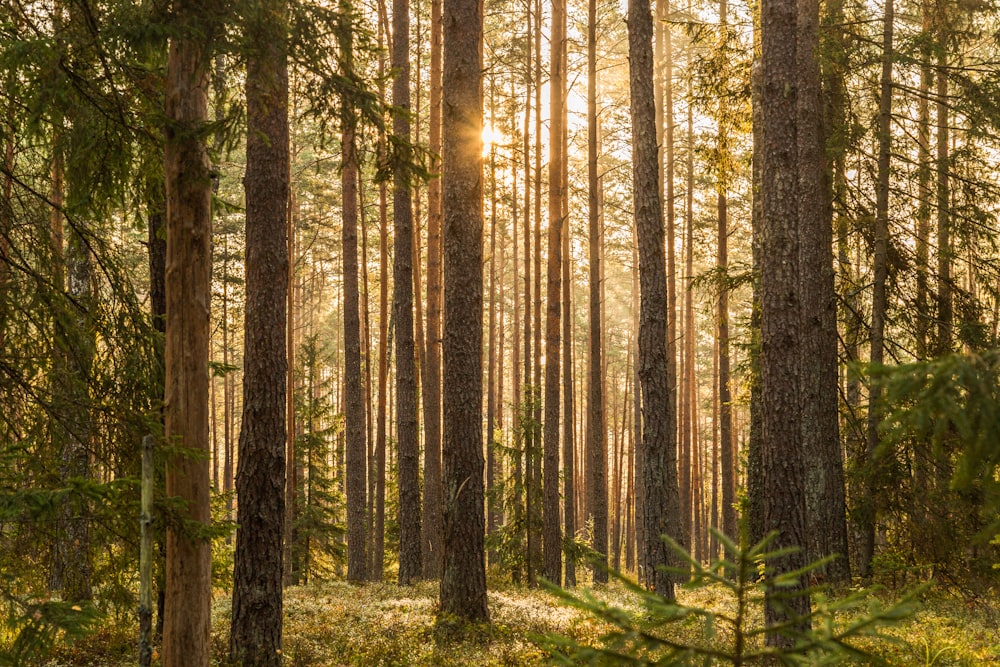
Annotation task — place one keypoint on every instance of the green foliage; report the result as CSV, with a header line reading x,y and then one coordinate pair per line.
x,y
661,631
33,628
942,417
317,533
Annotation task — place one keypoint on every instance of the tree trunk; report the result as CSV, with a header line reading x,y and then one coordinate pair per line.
x,y
825,502
410,567
552,535
187,604
864,507
463,578
255,638
354,398
659,416
432,534
783,467
596,464
726,440
569,441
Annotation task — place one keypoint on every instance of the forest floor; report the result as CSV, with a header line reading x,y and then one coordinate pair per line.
x,y
329,625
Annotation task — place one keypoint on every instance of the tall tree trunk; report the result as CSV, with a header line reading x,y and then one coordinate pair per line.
x,y
354,398
187,604
945,313
659,416
689,419
522,482
569,441
410,567
431,376
825,503
596,463
864,511
493,357
783,467
727,442
552,535
255,638
512,499
378,555
463,577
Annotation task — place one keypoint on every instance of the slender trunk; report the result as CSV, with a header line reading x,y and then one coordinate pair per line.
x,y
945,315
410,566
864,509
255,638
187,605
431,376
569,441
659,415
354,403
552,535
727,442
596,465
825,502
525,429
491,396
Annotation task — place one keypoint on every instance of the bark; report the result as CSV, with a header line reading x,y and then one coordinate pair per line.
x,y
522,472
491,396
945,311
354,398
410,566
569,441
659,417
864,509
187,604
551,535
535,487
463,578
825,502
596,464
255,637
726,440
783,467
431,394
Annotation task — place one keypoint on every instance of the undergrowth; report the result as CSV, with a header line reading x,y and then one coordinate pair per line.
x,y
383,625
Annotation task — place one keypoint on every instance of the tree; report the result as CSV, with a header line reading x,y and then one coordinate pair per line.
x,y
661,495
255,637
432,359
825,502
406,381
463,576
551,533
354,404
187,605
728,449
596,459
782,465
864,509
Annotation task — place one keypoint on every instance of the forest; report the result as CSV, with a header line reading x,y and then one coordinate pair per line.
x,y
405,332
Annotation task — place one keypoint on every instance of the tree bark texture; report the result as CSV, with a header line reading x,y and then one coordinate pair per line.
x,y
354,397
432,363
825,501
255,638
410,566
552,533
187,605
463,578
783,468
659,445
